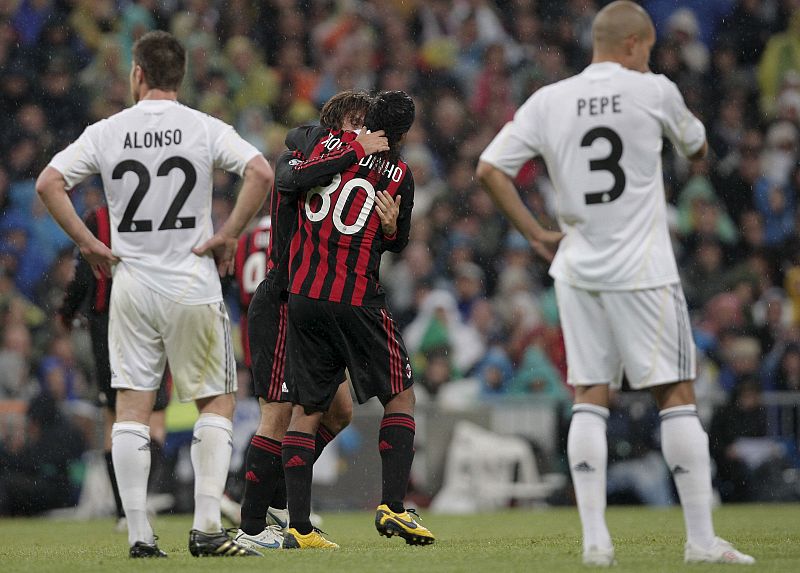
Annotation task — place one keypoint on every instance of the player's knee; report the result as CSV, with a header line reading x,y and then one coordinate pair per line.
x,y
402,403
338,418
134,406
275,418
221,405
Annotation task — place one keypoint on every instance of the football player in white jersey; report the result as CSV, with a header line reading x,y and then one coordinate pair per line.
x,y
156,160
619,296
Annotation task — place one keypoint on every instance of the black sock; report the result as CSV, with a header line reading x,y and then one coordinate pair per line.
x,y
396,445
324,437
298,467
279,497
263,470
114,487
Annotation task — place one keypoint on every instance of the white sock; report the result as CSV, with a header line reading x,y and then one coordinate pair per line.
x,y
130,451
587,450
211,456
684,444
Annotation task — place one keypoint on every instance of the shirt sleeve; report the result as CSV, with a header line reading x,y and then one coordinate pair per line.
x,y
80,159
520,139
683,129
230,151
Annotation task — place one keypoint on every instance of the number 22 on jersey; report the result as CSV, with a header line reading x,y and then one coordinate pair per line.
x,y
171,220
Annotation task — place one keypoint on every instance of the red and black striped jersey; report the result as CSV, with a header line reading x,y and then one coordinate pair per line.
x,y
250,265
293,174
335,252
250,268
85,285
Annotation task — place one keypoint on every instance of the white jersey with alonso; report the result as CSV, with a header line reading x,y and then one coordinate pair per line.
x,y
156,160
600,134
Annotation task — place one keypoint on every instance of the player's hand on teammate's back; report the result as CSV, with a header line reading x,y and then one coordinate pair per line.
x,y
223,249
373,142
546,244
99,257
388,210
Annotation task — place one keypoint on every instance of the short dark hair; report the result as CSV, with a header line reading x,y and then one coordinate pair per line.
x,y
393,112
347,105
162,59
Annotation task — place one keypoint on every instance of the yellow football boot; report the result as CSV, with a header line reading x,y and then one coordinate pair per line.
x,y
314,540
389,523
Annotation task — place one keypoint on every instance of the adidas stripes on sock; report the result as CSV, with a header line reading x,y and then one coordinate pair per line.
x,y
587,450
130,450
299,451
684,444
263,472
211,457
396,446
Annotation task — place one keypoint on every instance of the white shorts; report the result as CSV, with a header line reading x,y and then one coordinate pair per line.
x,y
146,330
645,333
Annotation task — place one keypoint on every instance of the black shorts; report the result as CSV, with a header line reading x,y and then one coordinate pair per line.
x,y
325,337
106,395
266,333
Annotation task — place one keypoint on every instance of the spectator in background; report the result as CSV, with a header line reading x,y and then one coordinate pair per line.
x,y
703,276
742,449
736,175
741,359
15,355
772,316
789,375
636,469
748,28
37,475
468,281
684,29
537,377
781,56
700,214
439,325
495,373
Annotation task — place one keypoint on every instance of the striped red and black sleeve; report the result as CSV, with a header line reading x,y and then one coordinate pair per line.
x,y
329,154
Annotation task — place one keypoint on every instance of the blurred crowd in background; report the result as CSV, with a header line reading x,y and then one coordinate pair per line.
x,y
477,307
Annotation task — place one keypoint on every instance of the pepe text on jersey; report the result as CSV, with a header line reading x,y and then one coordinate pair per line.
x,y
599,105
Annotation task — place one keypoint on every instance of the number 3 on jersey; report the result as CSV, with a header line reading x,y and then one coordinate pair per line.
x,y
610,164
338,209
171,219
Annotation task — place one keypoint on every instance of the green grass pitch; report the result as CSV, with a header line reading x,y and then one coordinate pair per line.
x,y
537,540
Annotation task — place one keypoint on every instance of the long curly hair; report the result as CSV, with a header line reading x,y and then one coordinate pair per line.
x,y
393,112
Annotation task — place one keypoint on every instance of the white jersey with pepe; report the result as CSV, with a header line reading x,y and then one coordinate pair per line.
x,y
600,134
156,160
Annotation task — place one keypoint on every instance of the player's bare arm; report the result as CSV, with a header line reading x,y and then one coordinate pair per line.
x,y
501,189
51,188
258,179
388,210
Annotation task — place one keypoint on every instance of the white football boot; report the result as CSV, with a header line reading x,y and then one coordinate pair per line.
x,y
270,538
720,552
599,557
